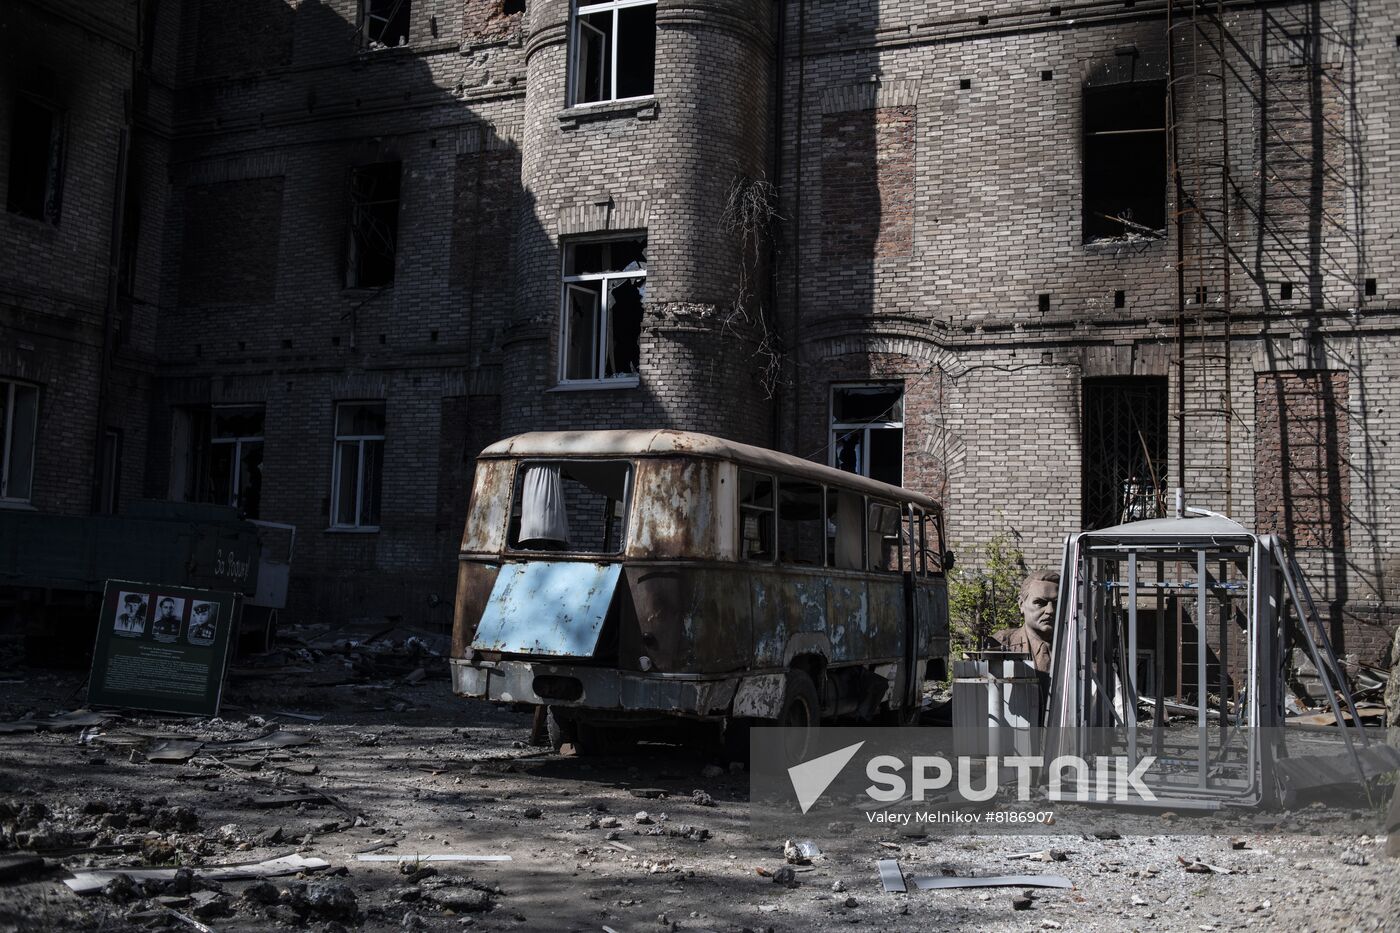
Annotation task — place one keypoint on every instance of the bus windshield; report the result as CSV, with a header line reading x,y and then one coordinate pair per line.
x,y
578,506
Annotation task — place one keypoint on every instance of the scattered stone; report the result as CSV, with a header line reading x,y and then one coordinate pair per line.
x,y
262,892
852,902
182,819
120,890
1354,857
1139,901
701,799
785,875
1020,902
157,851
464,901
114,821
210,904
1238,843
182,883
271,837
609,822
532,813
332,900
838,886
1107,835
643,817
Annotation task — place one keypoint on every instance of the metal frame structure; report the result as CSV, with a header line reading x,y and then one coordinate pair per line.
x,y
1237,588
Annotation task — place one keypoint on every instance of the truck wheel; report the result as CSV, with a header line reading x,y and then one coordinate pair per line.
x,y
801,714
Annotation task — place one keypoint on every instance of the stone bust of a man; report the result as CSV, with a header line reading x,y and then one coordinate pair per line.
x,y
1036,635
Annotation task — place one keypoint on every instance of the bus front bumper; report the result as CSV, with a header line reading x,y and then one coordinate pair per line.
x,y
592,687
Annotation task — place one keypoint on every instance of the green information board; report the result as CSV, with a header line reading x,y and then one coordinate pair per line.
x,y
162,648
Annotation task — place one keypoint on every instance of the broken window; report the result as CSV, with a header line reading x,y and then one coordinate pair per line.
x,y
384,23
36,160
867,431
604,288
359,465
1124,450
885,544
374,224
845,531
800,532
1125,160
564,505
614,50
755,516
218,456
19,420
236,457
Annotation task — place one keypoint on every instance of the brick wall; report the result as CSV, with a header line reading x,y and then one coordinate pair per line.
x,y
231,241
1302,488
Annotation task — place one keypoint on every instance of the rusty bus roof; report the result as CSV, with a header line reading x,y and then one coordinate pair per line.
x,y
668,443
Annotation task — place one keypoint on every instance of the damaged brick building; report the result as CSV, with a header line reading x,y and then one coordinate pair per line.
x,y
309,257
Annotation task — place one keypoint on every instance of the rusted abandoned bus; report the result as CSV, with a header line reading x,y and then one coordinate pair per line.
x,y
617,577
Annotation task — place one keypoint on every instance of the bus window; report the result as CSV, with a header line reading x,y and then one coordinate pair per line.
x,y
755,516
570,506
883,549
800,533
845,532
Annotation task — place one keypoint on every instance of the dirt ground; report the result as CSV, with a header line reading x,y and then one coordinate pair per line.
x,y
396,765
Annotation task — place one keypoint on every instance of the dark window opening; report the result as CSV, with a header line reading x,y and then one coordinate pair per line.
x,y
755,516
614,51
801,534
511,7
1125,161
36,161
220,456
1124,465
576,506
357,474
374,224
867,431
385,23
19,421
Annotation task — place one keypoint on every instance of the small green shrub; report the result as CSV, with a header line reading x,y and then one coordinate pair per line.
x,y
982,593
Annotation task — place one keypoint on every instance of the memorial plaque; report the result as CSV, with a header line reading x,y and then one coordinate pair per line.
x,y
162,648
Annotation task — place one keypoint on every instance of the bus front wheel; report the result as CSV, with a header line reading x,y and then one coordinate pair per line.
x,y
800,715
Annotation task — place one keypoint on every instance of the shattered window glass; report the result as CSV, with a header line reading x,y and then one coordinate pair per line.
x,y
604,291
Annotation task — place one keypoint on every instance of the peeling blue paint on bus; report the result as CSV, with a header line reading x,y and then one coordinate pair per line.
x,y
548,607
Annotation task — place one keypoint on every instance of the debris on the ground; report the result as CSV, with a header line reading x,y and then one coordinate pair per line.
x,y
63,722
927,883
1042,855
436,857
1196,867
701,799
87,882
891,876
800,852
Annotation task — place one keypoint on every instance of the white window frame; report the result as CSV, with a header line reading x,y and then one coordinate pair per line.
x,y
9,388
603,310
231,487
360,441
575,56
840,429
